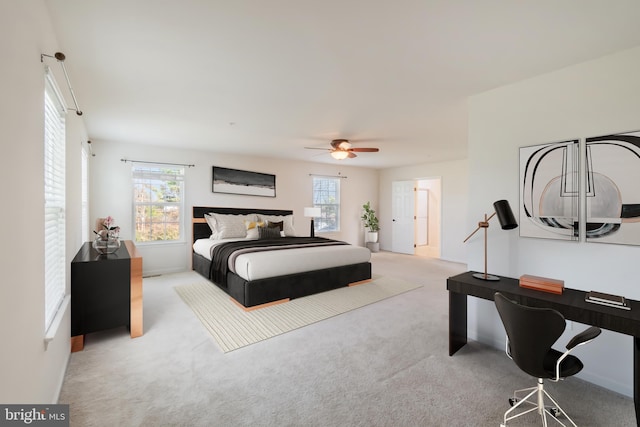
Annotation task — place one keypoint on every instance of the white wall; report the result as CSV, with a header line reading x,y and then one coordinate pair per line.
x,y
455,182
595,98
30,373
111,193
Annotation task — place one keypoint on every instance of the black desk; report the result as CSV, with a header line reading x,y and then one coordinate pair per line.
x,y
571,304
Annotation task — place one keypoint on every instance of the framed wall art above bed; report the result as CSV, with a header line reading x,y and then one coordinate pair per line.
x,y
235,181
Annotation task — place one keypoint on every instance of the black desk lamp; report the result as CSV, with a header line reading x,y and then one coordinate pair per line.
x,y
507,222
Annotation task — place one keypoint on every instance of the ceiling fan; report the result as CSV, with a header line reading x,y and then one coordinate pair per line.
x,y
341,149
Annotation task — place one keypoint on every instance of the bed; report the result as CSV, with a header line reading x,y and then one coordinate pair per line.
x,y
270,269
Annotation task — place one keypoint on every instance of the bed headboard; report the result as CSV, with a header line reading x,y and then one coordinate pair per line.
x,y
201,229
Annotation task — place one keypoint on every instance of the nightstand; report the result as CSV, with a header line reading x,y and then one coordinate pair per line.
x,y
106,292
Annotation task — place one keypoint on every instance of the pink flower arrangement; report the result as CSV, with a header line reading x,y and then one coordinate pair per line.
x,y
110,231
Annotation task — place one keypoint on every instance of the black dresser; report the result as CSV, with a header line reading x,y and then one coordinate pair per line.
x,y
106,292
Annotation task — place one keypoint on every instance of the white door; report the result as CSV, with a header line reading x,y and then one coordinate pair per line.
x,y
403,217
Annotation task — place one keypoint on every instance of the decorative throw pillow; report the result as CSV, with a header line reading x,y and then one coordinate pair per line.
x,y
268,233
252,228
278,225
287,222
253,224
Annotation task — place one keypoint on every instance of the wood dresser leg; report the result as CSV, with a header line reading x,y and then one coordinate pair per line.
x,y
77,343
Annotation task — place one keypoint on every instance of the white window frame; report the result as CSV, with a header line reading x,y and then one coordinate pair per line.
x,y
326,196
141,172
84,216
54,205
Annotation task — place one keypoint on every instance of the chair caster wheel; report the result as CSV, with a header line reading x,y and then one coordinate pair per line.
x,y
554,412
513,401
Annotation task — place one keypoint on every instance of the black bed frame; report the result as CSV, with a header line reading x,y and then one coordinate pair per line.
x,y
251,294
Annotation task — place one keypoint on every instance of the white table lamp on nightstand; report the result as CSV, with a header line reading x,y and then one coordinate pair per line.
x,y
312,213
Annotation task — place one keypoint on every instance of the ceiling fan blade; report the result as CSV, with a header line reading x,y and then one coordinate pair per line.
x,y
352,155
317,148
365,150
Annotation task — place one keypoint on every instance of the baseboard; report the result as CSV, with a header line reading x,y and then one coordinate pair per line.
x,y
160,272
607,383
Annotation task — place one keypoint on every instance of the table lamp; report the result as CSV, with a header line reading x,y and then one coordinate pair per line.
x,y
507,222
312,213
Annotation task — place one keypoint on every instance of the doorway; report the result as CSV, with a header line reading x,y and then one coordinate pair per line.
x,y
416,217
427,227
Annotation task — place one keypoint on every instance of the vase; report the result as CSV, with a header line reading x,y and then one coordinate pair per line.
x,y
107,245
372,236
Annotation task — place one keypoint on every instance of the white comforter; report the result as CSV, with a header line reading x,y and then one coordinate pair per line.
x,y
264,264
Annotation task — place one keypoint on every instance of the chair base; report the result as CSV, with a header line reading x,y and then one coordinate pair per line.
x,y
535,396
551,410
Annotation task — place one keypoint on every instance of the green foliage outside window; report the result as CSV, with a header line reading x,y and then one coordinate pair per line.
x,y
326,196
157,203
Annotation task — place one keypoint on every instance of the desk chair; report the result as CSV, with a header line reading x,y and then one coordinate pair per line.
x,y
530,334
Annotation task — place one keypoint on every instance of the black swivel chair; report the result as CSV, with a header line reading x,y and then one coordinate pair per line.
x,y
530,334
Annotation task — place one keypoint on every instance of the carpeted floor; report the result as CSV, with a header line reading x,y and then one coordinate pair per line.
x,y
382,365
233,328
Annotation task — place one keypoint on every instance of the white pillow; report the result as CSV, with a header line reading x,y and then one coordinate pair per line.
x,y
252,228
228,226
211,222
287,222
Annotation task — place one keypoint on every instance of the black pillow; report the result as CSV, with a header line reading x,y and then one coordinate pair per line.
x,y
278,225
268,233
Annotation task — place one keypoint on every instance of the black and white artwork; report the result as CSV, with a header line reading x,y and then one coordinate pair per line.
x,y
549,191
234,181
613,188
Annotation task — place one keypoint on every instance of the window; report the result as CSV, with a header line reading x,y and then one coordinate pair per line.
x,y
54,200
157,202
326,196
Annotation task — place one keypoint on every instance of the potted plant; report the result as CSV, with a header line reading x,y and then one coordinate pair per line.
x,y
371,222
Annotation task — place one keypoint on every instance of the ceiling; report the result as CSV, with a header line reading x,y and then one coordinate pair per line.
x,y
269,78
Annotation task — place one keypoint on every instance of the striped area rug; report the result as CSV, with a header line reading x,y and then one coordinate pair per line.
x,y
233,328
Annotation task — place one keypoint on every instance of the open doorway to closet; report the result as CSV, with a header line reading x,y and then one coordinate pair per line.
x,y
427,224
416,217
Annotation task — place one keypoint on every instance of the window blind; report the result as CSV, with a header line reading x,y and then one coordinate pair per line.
x,y
54,200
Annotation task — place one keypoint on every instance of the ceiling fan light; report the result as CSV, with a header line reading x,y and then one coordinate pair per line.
x,y
339,155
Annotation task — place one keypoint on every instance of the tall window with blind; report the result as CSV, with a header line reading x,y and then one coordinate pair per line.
x,y
326,196
54,199
158,202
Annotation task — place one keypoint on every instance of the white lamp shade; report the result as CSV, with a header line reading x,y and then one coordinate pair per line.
x,y
312,212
